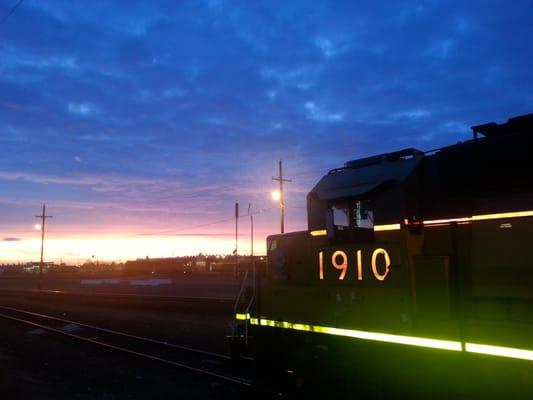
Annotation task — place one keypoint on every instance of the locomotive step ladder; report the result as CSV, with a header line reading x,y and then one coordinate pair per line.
x,y
241,342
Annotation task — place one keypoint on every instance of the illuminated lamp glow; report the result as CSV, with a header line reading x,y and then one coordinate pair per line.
x,y
499,351
321,232
389,227
515,214
276,195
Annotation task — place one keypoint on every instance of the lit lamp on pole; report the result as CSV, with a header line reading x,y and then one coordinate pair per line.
x,y
279,195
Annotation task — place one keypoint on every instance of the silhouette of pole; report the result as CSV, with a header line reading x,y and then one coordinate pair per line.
x,y
43,221
236,238
252,245
281,195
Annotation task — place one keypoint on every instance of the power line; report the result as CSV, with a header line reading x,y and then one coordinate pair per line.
x,y
190,227
11,12
181,230
312,172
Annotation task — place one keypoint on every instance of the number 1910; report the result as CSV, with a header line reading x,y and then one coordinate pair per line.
x,y
339,261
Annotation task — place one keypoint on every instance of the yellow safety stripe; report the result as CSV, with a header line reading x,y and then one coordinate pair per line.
x,y
389,227
242,317
452,345
509,352
514,214
446,221
435,222
358,334
482,217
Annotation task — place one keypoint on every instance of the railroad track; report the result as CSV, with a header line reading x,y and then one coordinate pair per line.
x,y
203,362
114,296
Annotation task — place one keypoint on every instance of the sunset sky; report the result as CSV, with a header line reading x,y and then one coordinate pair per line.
x,y
141,123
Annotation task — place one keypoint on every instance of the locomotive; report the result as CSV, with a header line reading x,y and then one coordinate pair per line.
x,y
414,278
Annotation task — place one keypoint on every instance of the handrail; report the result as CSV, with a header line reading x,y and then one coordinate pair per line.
x,y
252,299
241,290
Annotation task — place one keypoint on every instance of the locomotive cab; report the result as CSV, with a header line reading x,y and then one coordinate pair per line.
x,y
364,193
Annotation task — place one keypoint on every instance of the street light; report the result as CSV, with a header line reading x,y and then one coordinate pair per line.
x,y
279,196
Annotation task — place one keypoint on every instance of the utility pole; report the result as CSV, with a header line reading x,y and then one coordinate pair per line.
x,y
43,220
251,230
281,195
236,238
252,245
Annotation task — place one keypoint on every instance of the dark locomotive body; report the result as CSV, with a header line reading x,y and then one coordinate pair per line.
x,y
414,279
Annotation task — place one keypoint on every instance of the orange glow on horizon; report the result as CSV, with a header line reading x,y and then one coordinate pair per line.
x,y
121,248
74,243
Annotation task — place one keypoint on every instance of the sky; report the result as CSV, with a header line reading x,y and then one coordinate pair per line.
x,y
141,123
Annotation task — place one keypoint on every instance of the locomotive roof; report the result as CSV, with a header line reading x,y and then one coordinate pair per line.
x,y
516,125
360,177
364,176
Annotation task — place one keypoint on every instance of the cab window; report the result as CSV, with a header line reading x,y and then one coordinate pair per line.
x,y
353,214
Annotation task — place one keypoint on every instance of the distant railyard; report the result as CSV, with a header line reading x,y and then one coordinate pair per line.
x,y
188,264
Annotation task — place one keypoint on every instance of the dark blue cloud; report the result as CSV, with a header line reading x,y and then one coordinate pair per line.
x,y
129,111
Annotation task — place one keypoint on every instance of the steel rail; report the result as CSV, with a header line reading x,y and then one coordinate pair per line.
x,y
119,333
126,296
115,347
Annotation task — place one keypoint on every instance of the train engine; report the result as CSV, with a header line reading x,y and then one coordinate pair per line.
x,y
414,278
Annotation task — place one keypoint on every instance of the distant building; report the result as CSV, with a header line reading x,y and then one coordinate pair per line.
x,y
199,263
244,263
